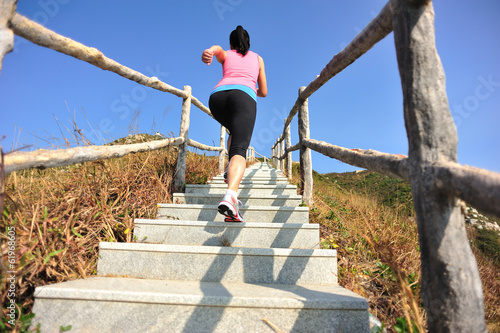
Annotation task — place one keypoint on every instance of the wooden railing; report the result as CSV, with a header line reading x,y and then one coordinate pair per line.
x,y
451,287
11,22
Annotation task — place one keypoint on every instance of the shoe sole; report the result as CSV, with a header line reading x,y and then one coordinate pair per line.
x,y
225,209
232,220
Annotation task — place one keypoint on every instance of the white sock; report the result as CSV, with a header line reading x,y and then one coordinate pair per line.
x,y
232,193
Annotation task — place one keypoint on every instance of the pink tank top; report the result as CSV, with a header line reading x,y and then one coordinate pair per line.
x,y
238,69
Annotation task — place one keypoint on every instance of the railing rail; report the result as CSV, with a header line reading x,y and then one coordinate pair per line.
x,y
42,36
451,288
14,23
264,157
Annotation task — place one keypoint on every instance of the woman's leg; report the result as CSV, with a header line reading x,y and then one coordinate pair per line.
x,y
235,110
237,166
242,123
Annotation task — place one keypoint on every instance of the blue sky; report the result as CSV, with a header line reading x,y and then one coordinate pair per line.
x,y
359,108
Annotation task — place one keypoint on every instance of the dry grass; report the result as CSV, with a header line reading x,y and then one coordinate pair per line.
x,y
60,215
378,254
489,271
379,258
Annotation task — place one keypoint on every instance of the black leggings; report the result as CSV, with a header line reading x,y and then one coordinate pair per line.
x,y
235,110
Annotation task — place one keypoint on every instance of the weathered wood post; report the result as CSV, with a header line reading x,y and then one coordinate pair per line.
x,y
272,155
288,144
451,286
7,10
306,180
222,153
180,174
282,153
278,152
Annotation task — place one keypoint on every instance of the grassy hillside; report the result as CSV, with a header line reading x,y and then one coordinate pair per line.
x,y
61,215
369,218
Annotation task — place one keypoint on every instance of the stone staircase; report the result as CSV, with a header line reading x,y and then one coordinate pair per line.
x,y
190,272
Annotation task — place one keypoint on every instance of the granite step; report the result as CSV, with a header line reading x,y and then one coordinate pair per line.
x,y
256,235
218,264
251,181
201,275
259,176
113,304
280,189
246,199
190,212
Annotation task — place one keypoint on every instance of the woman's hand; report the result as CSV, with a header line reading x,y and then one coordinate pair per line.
x,y
207,56
216,51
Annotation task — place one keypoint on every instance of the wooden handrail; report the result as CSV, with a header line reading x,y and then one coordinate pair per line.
x,y
42,36
374,32
478,187
11,22
43,159
451,286
387,164
202,146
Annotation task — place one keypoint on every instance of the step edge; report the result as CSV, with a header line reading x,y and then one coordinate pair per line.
x,y
218,250
243,208
254,225
243,195
55,292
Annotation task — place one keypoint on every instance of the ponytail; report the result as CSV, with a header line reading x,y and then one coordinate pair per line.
x,y
240,40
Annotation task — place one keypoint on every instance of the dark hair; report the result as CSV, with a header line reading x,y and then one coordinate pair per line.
x,y
240,40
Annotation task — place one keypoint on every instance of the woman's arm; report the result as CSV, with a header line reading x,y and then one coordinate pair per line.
x,y
216,51
261,79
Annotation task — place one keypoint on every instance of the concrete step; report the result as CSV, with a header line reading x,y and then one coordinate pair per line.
x,y
210,213
256,235
112,304
281,189
259,175
218,264
246,200
251,181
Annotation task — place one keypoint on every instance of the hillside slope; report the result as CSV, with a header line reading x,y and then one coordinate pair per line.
x,y
369,218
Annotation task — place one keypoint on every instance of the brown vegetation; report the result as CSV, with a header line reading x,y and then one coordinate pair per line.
x,y
60,215
372,226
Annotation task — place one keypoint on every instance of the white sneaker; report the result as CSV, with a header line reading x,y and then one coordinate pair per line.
x,y
229,207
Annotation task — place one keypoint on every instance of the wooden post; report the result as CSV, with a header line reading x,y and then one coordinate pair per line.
x,y
288,144
282,154
180,175
306,180
7,11
278,152
272,155
222,153
451,287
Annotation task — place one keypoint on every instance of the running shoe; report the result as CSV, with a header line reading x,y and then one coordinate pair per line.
x,y
229,208
238,219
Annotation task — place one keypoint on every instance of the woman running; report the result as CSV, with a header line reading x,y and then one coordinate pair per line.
x,y
233,104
